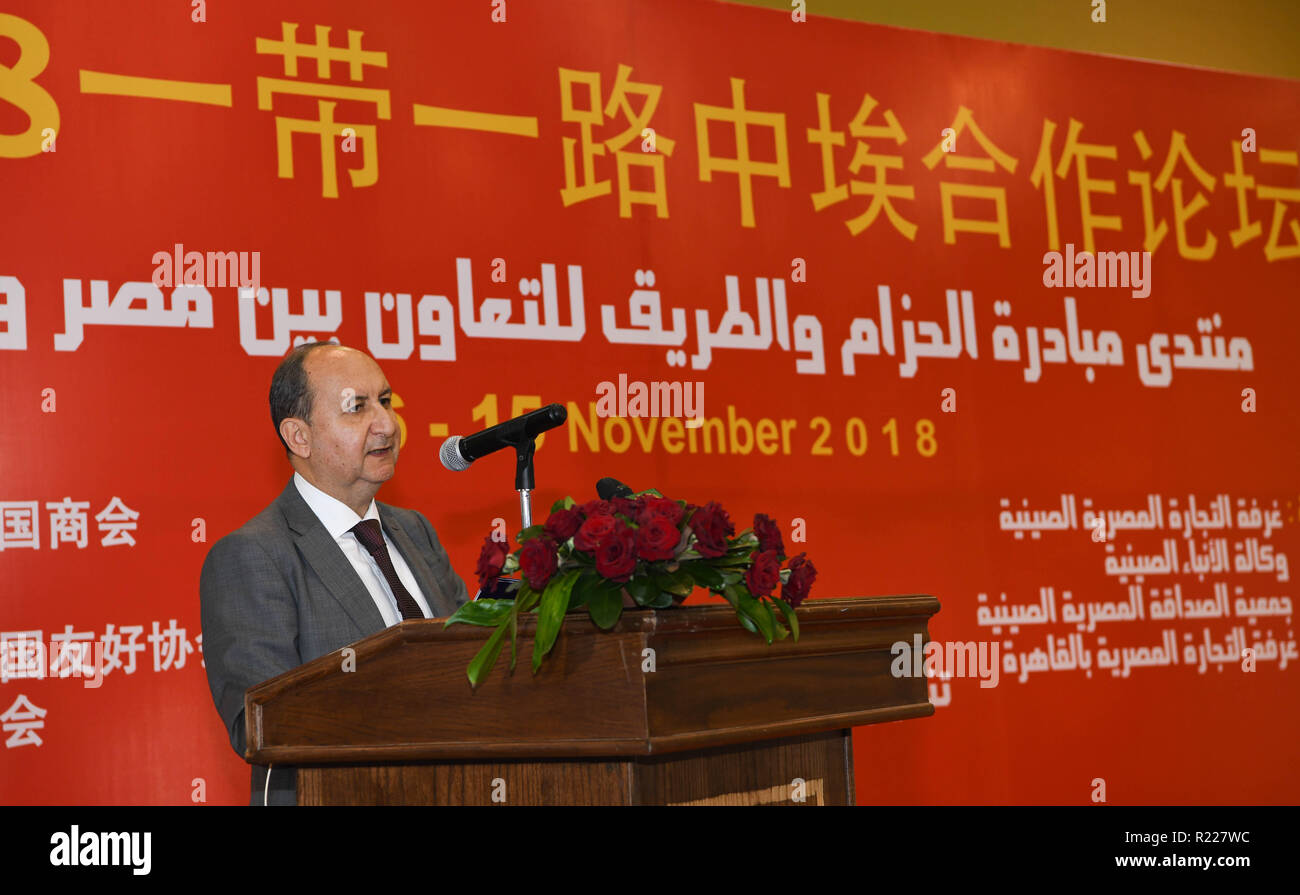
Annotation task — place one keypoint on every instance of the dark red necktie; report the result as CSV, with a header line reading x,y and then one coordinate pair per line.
x,y
371,536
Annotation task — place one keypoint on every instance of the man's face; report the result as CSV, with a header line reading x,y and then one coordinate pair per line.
x,y
354,431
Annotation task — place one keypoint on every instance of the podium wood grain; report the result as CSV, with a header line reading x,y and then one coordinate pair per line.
x,y
722,718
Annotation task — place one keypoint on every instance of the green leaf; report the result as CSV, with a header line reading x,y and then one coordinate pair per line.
x,y
743,542
762,615
661,600
683,583
685,588
731,593
531,531
587,588
704,575
749,608
654,492
664,581
486,657
643,590
605,605
791,618
647,591
587,582
526,598
781,632
554,604
563,504
514,640
487,613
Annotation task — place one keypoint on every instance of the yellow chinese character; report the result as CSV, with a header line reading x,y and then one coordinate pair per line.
x,y
325,126
1272,250
580,186
879,191
948,191
1183,211
743,166
1077,154
1242,182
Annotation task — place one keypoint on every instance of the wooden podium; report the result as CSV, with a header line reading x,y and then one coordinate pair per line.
x,y
677,706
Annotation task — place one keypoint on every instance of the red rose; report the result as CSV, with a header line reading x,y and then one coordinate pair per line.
x,y
490,560
537,561
769,534
661,506
802,575
712,527
764,574
616,553
592,531
628,506
657,538
597,508
563,524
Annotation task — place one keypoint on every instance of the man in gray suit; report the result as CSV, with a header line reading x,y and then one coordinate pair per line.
x,y
325,564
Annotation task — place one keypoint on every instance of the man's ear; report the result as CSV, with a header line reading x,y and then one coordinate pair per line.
x,y
296,434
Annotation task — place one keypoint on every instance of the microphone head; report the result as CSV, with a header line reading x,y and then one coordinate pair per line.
x,y
608,489
450,455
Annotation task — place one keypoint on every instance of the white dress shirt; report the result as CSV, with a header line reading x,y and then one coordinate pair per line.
x,y
339,519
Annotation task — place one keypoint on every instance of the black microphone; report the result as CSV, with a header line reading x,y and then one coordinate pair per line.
x,y
458,453
608,489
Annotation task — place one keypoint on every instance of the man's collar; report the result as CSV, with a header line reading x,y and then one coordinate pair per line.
x,y
334,514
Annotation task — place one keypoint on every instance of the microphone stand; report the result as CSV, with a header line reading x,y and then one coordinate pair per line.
x,y
524,480
518,433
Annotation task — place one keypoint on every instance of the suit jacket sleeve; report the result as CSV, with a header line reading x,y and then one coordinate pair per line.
x,y
449,582
250,625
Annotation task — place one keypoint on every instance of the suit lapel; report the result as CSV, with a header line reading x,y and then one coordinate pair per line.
x,y
415,560
325,556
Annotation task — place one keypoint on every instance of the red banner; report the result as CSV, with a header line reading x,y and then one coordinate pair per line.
x,y
1001,324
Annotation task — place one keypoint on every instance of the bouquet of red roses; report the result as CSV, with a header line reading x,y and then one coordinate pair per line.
x,y
654,549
